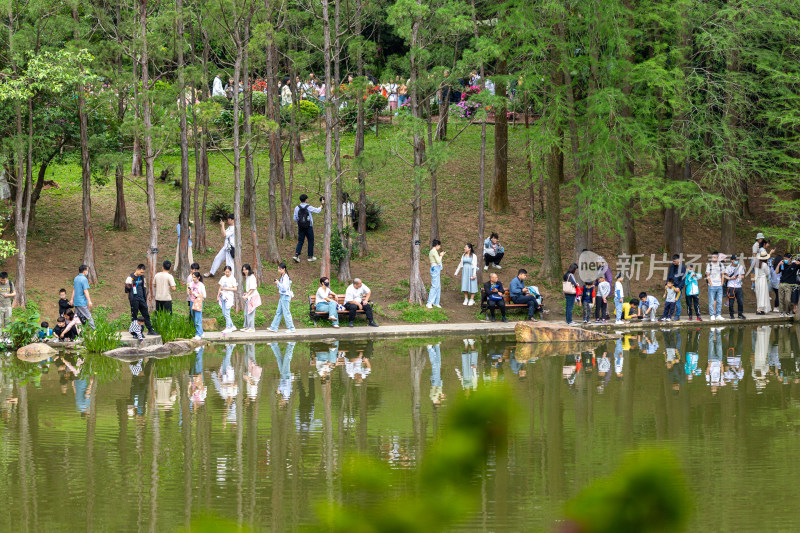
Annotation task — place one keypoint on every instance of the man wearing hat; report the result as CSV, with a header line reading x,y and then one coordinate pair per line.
x,y
735,275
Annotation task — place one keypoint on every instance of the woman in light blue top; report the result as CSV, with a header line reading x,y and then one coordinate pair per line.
x,y
468,266
284,285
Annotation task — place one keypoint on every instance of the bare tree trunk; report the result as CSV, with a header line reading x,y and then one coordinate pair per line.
x,y
120,212
332,95
434,185
363,248
444,111
201,154
272,254
249,204
325,264
23,202
136,161
149,156
182,268
498,195
531,184
416,288
86,172
241,42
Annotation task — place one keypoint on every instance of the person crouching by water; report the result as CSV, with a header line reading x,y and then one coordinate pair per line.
x,y
284,284
493,292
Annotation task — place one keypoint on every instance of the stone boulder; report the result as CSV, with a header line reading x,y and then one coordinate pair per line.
x,y
176,347
546,332
209,324
38,351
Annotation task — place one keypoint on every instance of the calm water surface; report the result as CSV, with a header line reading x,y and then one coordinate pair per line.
x,y
258,433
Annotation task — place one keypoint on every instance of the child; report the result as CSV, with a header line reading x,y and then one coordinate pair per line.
x,y
618,296
587,296
601,301
45,333
195,267
629,309
648,305
63,303
137,328
671,295
66,331
692,291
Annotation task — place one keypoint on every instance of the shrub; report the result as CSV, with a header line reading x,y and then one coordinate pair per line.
x,y
104,337
24,327
375,103
307,113
337,250
219,211
221,100
173,326
258,102
374,212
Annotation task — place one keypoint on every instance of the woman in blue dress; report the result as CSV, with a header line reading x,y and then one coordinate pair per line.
x,y
468,266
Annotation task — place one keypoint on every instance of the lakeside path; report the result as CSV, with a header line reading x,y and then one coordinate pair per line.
x,y
466,329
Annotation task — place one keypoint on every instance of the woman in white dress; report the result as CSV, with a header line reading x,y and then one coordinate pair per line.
x,y
762,283
468,266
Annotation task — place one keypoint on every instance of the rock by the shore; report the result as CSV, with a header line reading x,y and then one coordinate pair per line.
x,y
544,332
38,351
209,324
176,347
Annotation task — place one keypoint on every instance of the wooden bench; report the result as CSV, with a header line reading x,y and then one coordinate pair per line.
x,y
343,313
510,306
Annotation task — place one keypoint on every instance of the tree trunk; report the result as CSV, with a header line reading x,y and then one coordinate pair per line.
x,y
363,248
23,202
498,195
149,157
120,212
731,186
249,204
343,273
531,184
434,185
241,43
673,222
272,254
416,288
86,172
444,112
551,261
325,264
201,155
287,220
136,161
182,268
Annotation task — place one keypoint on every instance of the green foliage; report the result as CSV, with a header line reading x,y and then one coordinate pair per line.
x,y
100,367
418,314
173,326
218,211
307,112
374,212
477,427
647,494
376,103
337,250
103,338
24,326
258,102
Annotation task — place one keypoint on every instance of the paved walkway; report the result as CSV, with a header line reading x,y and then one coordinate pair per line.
x,y
463,329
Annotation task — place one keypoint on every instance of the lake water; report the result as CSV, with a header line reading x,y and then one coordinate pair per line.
x,y
257,433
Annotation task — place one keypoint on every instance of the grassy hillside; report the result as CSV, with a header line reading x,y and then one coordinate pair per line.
x,y
56,242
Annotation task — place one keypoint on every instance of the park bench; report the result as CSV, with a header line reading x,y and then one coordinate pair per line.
x,y
510,306
343,313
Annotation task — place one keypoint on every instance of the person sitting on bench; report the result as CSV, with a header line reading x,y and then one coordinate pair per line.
x,y
356,298
493,292
521,295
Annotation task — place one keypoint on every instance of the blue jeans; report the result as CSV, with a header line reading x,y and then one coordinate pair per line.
x,y
197,316
714,301
678,308
435,293
283,311
226,312
570,305
618,308
330,308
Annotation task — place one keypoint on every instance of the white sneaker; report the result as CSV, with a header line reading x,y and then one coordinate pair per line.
x,y
296,259
226,330
783,315
437,305
498,267
776,310
233,328
197,338
311,259
712,317
719,317
485,268
471,302
615,322
466,301
429,306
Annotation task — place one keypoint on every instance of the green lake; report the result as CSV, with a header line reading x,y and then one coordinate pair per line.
x,y
258,434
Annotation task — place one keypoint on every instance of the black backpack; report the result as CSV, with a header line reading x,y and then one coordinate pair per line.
x,y
303,217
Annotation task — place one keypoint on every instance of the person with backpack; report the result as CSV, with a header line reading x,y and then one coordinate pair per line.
x,y
136,290
228,251
305,226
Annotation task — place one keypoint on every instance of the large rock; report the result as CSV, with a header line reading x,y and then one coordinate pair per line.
x,y
544,332
209,324
177,347
126,339
38,351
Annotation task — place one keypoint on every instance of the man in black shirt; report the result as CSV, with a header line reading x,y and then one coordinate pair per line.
x,y
787,269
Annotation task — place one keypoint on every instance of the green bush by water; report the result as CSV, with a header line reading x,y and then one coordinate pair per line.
x,y
24,327
173,326
104,337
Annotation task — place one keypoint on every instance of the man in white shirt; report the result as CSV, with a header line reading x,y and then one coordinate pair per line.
x,y
735,274
227,252
714,272
356,298
216,88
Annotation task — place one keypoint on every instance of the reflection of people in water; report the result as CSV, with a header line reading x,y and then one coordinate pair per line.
x,y
435,357
715,369
672,357
140,385
358,368
68,369
648,345
692,356
324,360
518,366
252,376
83,394
197,389
166,393
225,384
569,371
284,360
622,345
759,361
603,371
469,366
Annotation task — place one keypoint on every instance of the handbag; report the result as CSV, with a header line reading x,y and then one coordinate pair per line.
x,y
568,287
197,304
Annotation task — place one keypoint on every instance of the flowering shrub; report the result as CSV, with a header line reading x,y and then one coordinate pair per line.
x,y
466,108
